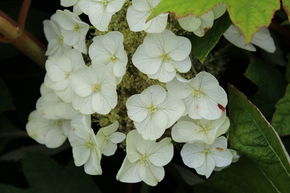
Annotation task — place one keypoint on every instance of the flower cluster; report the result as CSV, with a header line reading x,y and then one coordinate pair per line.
x,y
85,74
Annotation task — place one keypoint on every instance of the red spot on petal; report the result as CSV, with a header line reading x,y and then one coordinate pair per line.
x,y
222,108
219,149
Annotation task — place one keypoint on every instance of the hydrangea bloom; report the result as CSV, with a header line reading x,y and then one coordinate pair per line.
x,y
73,30
261,39
55,46
200,25
190,131
204,158
50,106
51,133
145,160
153,111
108,138
95,90
109,50
59,70
202,95
100,12
84,145
138,14
161,55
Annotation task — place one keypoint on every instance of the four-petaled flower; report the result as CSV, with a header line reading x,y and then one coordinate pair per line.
x,y
161,55
138,14
145,159
108,138
153,111
109,50
204,98
204,158
95,90
84,145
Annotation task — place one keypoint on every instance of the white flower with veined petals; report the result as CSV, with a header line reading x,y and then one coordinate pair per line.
x,y
70,3
261,39
100,12
55,46
51,133
138,14
50,106
73,30
200,25
108,138
204,158
95,90
153,111
109,50
59,71
204,98
161,55
145,160
84,145
188,130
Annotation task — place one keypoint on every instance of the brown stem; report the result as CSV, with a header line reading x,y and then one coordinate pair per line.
x,y
23,14
21,39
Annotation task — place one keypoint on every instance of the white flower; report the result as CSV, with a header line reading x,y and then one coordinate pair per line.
x,y
200,25
108,138
138,14
204,158
236,158
73,30
100,12
84,145
261,39
50,106
51,133
55,46
109,50
204,98
74,3
201,130
59,70
145,160
153,111
95,90
161,55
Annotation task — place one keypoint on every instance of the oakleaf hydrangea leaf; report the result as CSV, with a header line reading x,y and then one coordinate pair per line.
x,y
252,136
248,15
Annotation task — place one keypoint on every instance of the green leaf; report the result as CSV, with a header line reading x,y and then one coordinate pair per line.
x,y
286,6
252,136
201,47
248,15
281,117
44,175
5,98
270,83
288,69
240,177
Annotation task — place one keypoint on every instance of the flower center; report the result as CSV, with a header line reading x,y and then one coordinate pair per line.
x,y
105,2
67,74
152,109
206,151
165,57
144,160
97,88
196,93
59,39
76,28
89,144
58,123
204,129
113,58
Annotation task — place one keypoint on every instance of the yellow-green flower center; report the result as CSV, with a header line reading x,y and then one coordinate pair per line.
x,y
59,39
113,58
165,57
76,28
97,88
152,109
105,2
89,144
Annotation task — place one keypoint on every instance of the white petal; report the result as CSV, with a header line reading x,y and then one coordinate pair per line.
x,y
55,138
82,104
163,75
157,24
207,167
93,166
115,5
99,17
179,89
117,137
109,149
153,95
183,66
190,23
162,153
178,47
219,10
151,174
133,137
192,155
183,131
128,172
136,108
137,19
264,40
80,154
81,82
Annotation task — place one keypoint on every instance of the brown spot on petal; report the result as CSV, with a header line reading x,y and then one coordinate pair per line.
x,y
219,149
222,108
